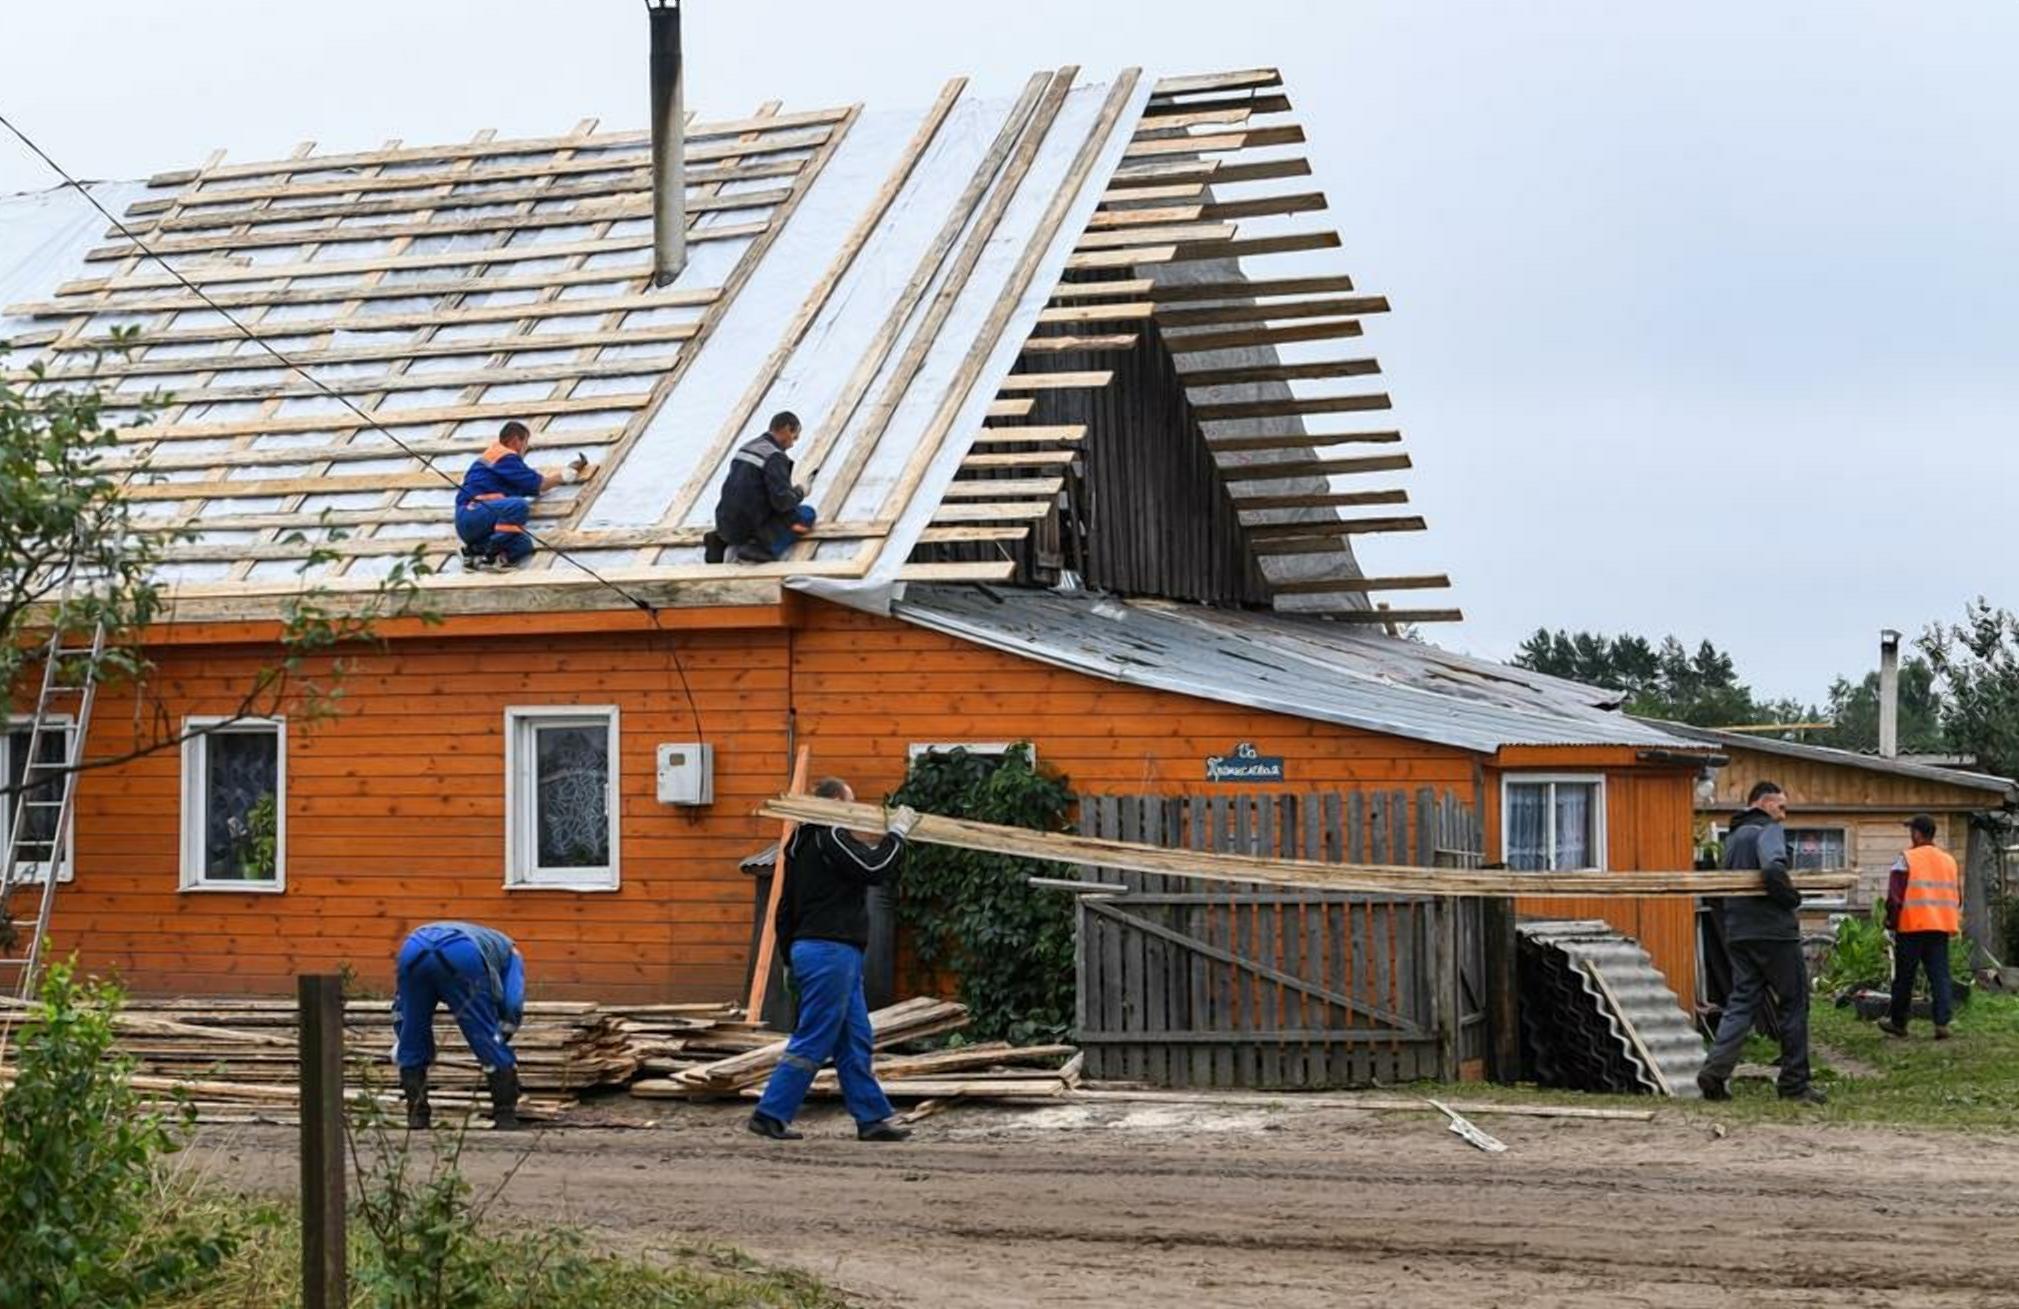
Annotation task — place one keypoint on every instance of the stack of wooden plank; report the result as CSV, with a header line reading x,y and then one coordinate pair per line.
x,y
993,1070
227,1054
752,1052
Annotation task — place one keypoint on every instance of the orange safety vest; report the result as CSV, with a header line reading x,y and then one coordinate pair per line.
x,y
497,451
1931,903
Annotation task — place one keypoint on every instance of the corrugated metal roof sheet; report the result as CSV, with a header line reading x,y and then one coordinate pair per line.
x,y
1822,754
1308,667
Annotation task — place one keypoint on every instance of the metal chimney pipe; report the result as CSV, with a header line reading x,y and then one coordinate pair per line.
x,y
1889,693
669,147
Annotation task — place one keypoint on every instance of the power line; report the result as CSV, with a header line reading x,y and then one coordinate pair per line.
x,y
426,462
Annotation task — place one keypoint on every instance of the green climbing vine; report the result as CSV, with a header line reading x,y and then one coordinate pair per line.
x,y
1009,945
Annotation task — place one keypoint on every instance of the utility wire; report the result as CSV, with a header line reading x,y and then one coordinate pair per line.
x,y
426,461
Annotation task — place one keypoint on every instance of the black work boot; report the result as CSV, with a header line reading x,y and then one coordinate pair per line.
x,y
766,1125
1810,1095
414,1086
713,547
886,1129
504,1084
1713,1088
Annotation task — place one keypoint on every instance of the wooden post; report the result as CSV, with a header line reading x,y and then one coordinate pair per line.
x,y
767,931
324,1281
1446,981
1503,990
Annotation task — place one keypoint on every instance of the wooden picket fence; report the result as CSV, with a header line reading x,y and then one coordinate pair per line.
x,y
1186,984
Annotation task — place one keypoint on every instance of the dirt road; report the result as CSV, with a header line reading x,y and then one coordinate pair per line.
x,y
1180,1206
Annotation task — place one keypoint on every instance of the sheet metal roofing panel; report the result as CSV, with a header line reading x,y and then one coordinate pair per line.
x,y
2004,787
1305,667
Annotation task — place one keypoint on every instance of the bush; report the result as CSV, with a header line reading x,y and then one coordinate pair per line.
x,y
82,1218
1008,944
1858,954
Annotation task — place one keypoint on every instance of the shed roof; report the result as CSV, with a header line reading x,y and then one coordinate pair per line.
x,y
879,271
1306,666
2003,787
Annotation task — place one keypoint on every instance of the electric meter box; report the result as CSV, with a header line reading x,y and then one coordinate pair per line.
x,y
686,773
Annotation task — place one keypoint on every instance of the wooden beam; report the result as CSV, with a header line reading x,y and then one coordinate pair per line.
x,y
1001,488
971,535
1021,459
1241,338
1265,536
1075,344
1056,381
767,933
1254,138
1242,80
1126,310
1139,194
992,513
1276,311
1199,379
1246,289
1265,206
1149,254
1167,172
1176,234
1105,219
989,570
1281,469
1036,432
1396,616
1204,251
1015,407
1360,585
1300,440
1117,288
1158,110
1240,410
1250,504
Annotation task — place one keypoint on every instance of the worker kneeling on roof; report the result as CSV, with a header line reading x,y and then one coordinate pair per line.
x,y
496,498
477,972
761,512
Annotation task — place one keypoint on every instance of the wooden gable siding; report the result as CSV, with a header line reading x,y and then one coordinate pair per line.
x,y
395,809
1648,821
1819,785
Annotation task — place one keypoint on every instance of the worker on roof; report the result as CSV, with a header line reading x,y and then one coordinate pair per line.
x,y
496,498
762,512
477,972
1923,910
823,925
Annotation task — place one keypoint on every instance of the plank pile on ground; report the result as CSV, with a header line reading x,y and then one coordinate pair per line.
x,y
730,1057
231,1055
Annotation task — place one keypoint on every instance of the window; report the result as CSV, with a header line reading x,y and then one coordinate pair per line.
x,y
40,824
1553,824
560,798
1815,849
234,804
997,748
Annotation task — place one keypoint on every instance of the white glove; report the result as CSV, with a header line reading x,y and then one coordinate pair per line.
x,y
900,821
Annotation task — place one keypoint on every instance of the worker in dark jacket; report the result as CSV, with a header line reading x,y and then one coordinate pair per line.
x,y
761,512
1764,940
496,498
823,924
477,972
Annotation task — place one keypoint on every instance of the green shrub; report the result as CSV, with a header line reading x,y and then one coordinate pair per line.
x,y
1008,944
1858,954
83,1224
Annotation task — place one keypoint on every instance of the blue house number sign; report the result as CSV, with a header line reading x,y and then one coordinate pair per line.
x,y
1243,764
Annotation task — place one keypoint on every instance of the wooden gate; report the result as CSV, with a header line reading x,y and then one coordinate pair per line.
x,y
1187,983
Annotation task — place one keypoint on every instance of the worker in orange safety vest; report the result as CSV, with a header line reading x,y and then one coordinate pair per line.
x,y
1923,909
496,497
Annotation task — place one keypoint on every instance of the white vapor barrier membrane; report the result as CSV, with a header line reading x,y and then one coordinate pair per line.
x,y
44,236
689,422
910,424
813,378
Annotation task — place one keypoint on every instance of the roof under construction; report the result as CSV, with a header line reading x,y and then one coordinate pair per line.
x,y
899,278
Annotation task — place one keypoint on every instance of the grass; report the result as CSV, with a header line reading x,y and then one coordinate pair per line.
x,y
538,1267
1964,1084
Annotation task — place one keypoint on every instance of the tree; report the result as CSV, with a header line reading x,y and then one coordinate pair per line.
x,y
1853,711
1668,681
1976,665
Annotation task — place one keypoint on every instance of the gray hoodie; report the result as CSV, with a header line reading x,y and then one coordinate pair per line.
x,y
1757,841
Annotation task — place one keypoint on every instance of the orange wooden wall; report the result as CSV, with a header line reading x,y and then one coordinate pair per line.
x,y
396,808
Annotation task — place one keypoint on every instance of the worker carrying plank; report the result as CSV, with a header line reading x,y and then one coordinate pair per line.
x,y
823,923
496,497
478,973
762,511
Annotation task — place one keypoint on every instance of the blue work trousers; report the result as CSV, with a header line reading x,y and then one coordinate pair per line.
x,y
833,1024
776,536
446,968
496,527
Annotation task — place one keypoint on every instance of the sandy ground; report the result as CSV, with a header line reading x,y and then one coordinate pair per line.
x,y
1175,1205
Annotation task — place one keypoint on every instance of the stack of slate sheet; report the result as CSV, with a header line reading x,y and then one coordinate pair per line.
x,y
1597,1015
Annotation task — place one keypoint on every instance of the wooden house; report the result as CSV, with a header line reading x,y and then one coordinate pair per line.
x,y
1848,810
1069,494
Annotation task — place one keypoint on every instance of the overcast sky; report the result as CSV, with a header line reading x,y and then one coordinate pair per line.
x,y
1705,313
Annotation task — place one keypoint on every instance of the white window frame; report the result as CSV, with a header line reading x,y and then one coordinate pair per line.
x,y
1599,836
197,732
34,872
522,827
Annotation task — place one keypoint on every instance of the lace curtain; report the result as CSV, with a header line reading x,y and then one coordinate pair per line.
x,y
1552,826
572,765
241,783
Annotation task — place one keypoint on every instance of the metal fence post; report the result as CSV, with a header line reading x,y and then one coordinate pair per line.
x,y
324,1279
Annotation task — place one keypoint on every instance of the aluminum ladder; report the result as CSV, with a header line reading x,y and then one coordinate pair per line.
x,y
34,863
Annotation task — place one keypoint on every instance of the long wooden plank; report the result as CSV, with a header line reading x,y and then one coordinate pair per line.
x,y
1274,311
1020,459
1175,234
1238,80
1105,219
767,930
1020,382
322,422
1014,287
1198,865
1011,407
1035,432
1166,172
1248,289
1252,139
989,570
1129,258
1278,372
1302,202
1360,585
1126,310
1319,500
1397,616
1300,440
1238,410
970,535
1078,344
1252,247
1004,488
765,376
1161,110
1277,470
993,513
1260,534
1118,288
1241,338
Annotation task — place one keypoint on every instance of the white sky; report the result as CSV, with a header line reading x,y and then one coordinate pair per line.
x,y
1705,313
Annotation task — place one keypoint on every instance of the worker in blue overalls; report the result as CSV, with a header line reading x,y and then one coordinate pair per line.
x,y
496,499
477,972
